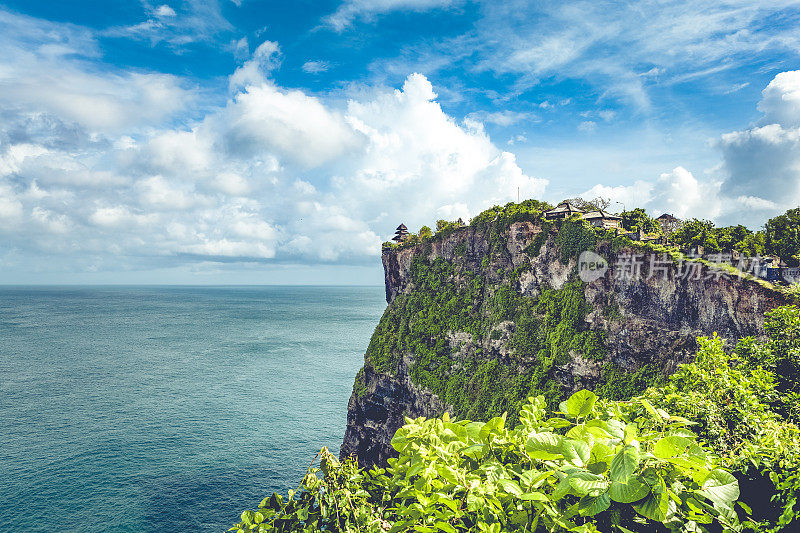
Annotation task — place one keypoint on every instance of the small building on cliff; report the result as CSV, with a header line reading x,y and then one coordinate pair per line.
x,y
602,219
598,218
562,210
401,233
669,224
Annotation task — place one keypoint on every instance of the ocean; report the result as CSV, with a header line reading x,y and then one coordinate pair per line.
x,y
169,408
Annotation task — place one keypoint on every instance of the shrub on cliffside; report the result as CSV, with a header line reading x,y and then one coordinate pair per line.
x,y
674,458
591,466
504,216
732,398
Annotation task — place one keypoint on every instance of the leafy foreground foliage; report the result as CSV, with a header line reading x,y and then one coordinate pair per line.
x,y
593,465
746,406
673,459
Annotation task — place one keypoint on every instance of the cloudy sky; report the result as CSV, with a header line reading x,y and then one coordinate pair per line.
x,y
246,141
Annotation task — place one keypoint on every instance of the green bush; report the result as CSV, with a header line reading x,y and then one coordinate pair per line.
x,y
590,466
740,406
503,216
639,219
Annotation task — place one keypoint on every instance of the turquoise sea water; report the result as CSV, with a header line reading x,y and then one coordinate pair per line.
x,y
169,408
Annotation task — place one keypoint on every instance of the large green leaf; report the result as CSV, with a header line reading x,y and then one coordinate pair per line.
x,y
592,505
476,451
458,431
586,482
509,486
558,423
721,488
600,457
533,478
673,446
631,433
624,464
534,496
473,430
577,452
615,427
448,473
399,440
581,433
444,526
598,428
655,506
579,404
545,446
562,489
681,451
632,491
492,427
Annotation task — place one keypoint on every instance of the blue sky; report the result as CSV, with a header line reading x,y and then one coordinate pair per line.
x,y
281,142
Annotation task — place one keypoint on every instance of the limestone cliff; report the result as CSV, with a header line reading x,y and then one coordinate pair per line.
x,y
484,315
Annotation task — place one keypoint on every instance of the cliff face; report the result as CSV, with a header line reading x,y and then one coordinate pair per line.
x,y
485,316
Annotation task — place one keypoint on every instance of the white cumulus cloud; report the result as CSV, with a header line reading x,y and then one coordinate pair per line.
x,y
763,162
759,176
780,101
273,175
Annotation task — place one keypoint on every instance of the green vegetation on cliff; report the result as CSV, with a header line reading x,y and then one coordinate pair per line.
x,y
592,464
780,236
716,448
445,326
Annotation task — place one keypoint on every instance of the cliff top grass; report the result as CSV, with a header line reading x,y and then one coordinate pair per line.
x,y
499,216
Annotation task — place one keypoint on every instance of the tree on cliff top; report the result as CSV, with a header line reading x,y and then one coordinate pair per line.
x,y
595,204
638,218
783,236
696,233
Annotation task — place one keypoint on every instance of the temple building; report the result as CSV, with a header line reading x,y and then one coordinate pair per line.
x,y
401,233
668,223
562,210
598,218
602,219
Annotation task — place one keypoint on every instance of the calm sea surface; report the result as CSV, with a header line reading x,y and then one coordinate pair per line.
x,y
169,408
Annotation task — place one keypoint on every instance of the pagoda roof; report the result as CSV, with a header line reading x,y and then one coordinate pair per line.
x,y
402,227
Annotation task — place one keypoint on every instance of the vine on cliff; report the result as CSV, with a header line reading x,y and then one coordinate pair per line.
x,y
574,236
448,301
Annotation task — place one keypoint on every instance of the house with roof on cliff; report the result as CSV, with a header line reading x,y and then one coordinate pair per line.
x,y
598,218
668,223
562,210
602,219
